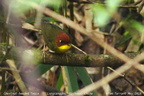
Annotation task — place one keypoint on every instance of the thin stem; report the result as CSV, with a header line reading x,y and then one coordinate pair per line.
x,y
78,49
123,76
3,82
17,76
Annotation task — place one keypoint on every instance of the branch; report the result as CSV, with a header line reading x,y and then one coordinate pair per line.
x,y
71,59
82,60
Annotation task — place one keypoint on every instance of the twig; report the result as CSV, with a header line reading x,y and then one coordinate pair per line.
x,y
17,76
140,67
6,69
123,76
3,82
128,6
4,57
79,49
110,68
135,3
103,33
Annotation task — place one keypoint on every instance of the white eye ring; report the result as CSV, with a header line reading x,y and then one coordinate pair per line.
x,y
60,41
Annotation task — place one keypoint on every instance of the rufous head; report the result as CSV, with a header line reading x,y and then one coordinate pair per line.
x,y
63,41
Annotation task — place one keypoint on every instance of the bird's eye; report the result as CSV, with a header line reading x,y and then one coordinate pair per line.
x,y
61,41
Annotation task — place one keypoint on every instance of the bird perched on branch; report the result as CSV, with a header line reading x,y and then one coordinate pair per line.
x,y
57,40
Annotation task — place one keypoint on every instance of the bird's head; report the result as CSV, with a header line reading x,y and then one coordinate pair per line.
x,y
63,42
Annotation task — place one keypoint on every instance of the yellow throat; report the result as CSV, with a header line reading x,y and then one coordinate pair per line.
x,y
64,48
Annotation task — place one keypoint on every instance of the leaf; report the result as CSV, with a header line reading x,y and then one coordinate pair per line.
x,y
112,5
85,78
21,6
70,79
41,69
138,26
101,15
59,82
44,68
123,40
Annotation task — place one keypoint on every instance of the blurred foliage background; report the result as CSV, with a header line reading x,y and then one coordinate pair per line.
x,y
117,22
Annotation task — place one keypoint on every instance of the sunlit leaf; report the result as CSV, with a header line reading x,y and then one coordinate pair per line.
x,y
21,6
32,56
138,26
101,15
113,5
4,43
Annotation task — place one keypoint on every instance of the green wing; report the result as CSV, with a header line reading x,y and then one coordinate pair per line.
x,y
49,32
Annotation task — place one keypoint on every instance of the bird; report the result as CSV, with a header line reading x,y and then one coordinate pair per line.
x,y
57,40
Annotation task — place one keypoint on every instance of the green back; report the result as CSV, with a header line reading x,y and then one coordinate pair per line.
x,y
50,32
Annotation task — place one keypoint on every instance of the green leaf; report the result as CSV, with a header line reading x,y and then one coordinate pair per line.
x,y
21,6
59,82
41,69
83,75
70,78
113,5
55,3
85,78
44,68
138,26
123,40
101,15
